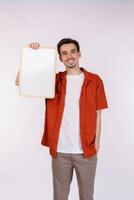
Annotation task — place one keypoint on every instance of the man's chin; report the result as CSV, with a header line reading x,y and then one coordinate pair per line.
x,y
71,66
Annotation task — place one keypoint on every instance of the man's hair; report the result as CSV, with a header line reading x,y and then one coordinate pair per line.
x,y
67,41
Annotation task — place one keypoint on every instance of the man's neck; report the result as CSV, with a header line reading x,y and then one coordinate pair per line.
x,y
74,71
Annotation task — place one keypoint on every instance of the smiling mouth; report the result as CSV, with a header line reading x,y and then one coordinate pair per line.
x,y
70,61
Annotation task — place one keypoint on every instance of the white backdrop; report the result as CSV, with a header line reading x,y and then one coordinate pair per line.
x,y
105,31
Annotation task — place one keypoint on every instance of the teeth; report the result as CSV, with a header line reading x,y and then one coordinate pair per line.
x,y
70,61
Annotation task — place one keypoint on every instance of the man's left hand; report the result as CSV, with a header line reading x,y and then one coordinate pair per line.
x,y
97,146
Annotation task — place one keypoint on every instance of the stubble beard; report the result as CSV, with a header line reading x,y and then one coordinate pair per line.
x,y
71,66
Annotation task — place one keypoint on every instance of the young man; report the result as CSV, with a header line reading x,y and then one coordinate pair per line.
x,y
73,123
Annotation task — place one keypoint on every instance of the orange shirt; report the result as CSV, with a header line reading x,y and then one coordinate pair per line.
x,y
92,98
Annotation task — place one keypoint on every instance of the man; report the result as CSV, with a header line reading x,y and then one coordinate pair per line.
x,y
73,123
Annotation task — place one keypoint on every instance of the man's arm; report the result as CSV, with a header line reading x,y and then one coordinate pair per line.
x,y
17,78
98,130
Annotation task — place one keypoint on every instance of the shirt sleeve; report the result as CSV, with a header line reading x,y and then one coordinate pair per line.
x,y
101,101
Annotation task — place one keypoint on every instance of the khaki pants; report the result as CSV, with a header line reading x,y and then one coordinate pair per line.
x,y
62,172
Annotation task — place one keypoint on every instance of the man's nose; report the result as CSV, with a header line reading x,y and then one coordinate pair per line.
x,y
70,55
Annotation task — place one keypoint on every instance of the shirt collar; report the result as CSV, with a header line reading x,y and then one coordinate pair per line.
x,y
87,75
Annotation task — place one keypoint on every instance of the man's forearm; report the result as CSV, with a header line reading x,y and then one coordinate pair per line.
x,y
17,78
98,130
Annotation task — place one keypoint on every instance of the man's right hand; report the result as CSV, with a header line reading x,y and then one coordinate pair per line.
x,y
33,45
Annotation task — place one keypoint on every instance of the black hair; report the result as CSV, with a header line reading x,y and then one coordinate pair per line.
x,y
67,41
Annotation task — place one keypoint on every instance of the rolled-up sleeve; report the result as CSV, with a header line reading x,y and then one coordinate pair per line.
x,y
101,100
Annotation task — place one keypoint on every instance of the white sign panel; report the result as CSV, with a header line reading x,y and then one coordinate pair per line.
x,y
37,72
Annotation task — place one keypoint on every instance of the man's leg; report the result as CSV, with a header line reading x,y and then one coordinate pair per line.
x,y
62,171
85,169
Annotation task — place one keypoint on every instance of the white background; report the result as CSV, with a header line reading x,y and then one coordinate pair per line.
x,y
105,31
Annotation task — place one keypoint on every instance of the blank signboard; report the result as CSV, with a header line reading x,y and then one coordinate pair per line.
x,y
37,72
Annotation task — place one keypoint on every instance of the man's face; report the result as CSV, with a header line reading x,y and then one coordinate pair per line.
x,y
69,55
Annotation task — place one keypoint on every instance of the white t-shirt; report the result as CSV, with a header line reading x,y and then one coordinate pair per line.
x,y
69,136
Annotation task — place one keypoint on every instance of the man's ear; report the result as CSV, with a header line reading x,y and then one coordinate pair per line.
x,y
79,54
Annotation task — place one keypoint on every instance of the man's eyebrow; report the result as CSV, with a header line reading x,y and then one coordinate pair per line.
x,y
73,49
63,51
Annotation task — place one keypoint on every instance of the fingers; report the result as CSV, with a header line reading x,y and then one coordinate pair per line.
x,y
34,45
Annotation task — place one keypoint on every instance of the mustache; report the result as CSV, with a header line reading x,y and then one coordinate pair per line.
x,y
70,59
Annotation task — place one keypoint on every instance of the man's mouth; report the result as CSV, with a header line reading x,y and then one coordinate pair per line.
x,y
71,61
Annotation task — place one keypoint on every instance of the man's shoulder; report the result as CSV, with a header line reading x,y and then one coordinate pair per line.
x,y
60,74
93,76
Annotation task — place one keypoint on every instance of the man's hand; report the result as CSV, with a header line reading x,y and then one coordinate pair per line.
x,y
97,146
34,45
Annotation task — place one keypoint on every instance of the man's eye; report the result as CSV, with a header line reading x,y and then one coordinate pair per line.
x,y
74,51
